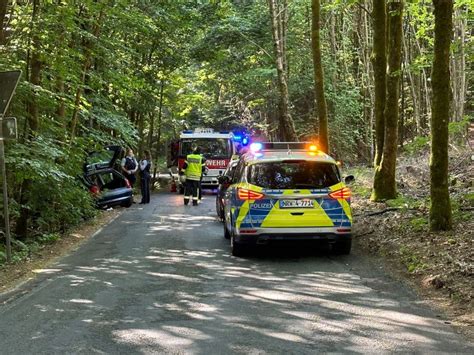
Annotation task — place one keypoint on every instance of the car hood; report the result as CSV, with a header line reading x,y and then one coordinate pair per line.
x,y
102,159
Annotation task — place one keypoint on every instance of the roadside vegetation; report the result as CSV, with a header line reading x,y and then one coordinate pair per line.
x,y
440,264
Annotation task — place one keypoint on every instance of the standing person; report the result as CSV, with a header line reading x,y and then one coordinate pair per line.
x,y
192,169
145,177
130,166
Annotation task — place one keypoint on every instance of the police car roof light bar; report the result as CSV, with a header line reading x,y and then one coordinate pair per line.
x,y
256,147
288,146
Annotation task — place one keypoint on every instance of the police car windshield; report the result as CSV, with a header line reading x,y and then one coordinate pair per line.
x,y
210,147
297,174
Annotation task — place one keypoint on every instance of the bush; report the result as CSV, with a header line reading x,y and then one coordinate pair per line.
x,y
58,207
419,145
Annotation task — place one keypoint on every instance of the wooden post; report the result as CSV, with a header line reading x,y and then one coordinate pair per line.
x,y
6,215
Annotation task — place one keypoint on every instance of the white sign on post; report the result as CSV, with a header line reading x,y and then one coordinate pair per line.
x,y
9,129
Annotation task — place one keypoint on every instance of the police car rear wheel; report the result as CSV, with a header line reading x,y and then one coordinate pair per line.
x,y
342,247
226,232
237,249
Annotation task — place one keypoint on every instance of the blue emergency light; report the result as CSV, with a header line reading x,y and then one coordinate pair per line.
x,y
242,138
256,147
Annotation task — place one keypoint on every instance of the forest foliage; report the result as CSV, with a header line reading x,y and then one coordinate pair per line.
x,y
136,73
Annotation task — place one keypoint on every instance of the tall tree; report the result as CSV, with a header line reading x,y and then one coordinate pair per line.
x,y
319,77
379,58
287,130
35,66
384,181
440,211
88,56
3,12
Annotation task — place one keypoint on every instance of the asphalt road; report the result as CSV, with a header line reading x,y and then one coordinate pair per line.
x,y
160,279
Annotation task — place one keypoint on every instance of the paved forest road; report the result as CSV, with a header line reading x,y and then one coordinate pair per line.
x,y
160,281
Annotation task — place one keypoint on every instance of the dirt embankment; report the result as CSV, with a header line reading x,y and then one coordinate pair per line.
x,y
440,265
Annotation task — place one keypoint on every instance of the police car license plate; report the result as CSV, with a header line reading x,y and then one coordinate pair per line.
x,y
296,203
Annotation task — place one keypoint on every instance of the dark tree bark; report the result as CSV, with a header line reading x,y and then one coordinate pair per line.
x,y
440,211
379,59
152,119
87,64
21,229
287,130
384,181
319,77
158,138
3,12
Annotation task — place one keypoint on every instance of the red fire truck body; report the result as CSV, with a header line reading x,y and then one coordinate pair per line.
x,y
217,147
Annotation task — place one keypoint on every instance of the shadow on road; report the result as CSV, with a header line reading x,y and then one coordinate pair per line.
x,y
174,287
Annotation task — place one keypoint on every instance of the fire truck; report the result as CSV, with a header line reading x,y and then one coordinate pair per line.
x,y
217,147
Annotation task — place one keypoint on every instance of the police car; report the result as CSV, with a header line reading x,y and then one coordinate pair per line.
x,y
283,192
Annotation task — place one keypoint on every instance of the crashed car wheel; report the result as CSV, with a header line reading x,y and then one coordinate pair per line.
x,y
128,203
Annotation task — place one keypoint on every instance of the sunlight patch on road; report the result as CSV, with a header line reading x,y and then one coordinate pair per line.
x,y
46,271
172,276
80,300
287,337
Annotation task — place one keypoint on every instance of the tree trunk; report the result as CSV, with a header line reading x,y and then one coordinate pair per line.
x,y
384,181
367,76
158,140
141,134
152,119
458,65
3,12
21,229
61,108
88,44
287,130
411,85
440,211
319,77
379,58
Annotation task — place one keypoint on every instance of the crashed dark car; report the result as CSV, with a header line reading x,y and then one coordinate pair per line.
x,y
108,187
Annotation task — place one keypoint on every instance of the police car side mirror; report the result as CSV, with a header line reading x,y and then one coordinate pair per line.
x,y
224,180
349,179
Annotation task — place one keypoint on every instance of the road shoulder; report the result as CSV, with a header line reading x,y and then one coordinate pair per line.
x,y
12,276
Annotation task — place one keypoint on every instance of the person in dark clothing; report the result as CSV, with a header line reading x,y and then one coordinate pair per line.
x,y
145,177
130,167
